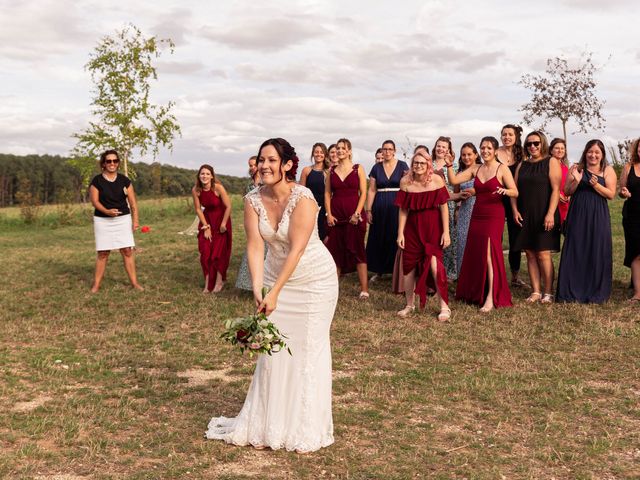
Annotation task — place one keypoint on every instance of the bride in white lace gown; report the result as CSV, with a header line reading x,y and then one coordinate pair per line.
x,y
289,401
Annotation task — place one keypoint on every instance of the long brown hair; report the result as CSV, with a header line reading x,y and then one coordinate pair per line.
x,y
583,158
199,185
325,163
517,150
633,151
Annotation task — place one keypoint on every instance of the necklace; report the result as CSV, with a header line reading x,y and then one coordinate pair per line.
x,y
108,179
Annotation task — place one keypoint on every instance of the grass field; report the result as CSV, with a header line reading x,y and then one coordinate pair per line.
x,y
122,384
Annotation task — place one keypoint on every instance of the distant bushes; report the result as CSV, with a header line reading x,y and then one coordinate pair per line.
x,y
34,180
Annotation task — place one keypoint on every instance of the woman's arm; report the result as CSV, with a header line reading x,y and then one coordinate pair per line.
x,y
371,195
227,206
573,179
555,177
94,196
624,191
362,191
506,179
301,225
196,204
304,175
133,206
461,177
402,222
607,191
255,250
331,221
445,240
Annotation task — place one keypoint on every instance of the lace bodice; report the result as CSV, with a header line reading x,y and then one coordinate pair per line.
x,y
278,239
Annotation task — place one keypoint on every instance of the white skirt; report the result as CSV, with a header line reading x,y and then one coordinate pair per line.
x,y
113,233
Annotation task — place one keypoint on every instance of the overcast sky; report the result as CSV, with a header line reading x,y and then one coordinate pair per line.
x,y
310,71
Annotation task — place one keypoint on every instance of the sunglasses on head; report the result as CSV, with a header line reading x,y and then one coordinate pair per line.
x,y
108,161
532,144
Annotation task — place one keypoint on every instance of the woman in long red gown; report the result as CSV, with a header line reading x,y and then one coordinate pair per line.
x,y
423,231
482,278
344,196
213,208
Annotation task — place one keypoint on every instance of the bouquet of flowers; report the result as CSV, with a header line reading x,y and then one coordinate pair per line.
x,y
254,333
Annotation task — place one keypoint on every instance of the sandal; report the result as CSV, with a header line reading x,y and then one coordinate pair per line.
x,y
363,296
534,297
406,311
444,315
547,298
518,282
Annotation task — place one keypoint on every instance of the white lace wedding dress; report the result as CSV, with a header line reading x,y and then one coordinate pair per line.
x,y
289,401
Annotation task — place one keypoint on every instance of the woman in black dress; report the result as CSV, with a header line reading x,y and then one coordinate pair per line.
x,y
630,190
313,177
536,212
512,154
586,265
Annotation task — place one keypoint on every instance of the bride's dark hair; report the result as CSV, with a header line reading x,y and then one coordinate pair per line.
x,y
286,153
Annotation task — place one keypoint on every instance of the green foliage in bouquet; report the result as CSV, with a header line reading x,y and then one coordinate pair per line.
x,y
254,333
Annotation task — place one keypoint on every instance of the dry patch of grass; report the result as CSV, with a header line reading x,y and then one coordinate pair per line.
x,y
122,384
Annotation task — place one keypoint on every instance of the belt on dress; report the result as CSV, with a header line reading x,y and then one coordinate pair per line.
x,y
388,190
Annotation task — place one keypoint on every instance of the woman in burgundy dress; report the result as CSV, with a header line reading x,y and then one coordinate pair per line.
x,y
214,230
483,279
423,231
344,196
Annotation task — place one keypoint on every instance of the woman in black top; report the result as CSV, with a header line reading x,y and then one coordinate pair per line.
x,y
630,190
115,217
314,177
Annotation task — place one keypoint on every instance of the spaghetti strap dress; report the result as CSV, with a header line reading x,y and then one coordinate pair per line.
x,y
383,232
315,183
487,226
214,253
345,241
534,196
422,234
586,265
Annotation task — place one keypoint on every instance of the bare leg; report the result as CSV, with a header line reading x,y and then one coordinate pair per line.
x,y
488,303
362,276
130,267
101,266
545,264
635,275
534,275
206,284
219,283
445,311
409,281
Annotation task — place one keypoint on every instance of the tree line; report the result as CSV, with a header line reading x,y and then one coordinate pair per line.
x,y
48,179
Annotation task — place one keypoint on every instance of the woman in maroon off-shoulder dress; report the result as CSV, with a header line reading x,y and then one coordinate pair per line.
x,y
423,231
214,230
482,278
345,193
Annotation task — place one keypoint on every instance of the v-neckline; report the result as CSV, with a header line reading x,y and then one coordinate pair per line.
x,y
346,176
392,171
276,229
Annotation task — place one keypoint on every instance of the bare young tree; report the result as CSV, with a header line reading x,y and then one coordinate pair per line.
x,y
564,93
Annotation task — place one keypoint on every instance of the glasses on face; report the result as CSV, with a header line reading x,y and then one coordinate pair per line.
x,y
419,164
532,144
109,161
388,149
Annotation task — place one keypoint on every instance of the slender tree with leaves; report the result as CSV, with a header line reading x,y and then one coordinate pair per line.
x,y
564,92
122,68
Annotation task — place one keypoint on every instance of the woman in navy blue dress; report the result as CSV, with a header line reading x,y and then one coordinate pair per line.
x,y
314,178
585,272
384,184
